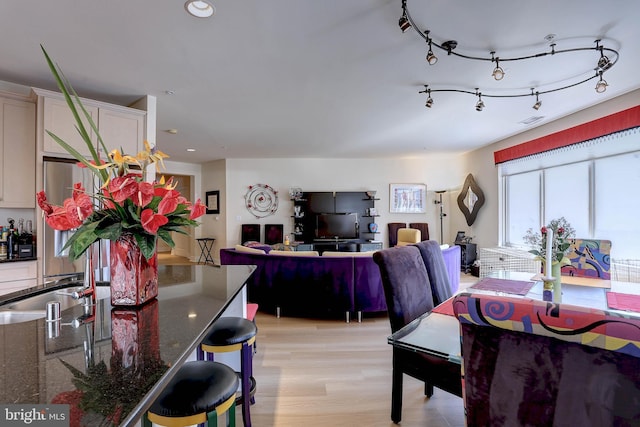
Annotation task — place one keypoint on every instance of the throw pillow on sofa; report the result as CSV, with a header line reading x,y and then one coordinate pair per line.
x,y
294,253
246,249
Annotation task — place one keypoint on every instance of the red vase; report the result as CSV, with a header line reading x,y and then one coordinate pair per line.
x,y
135,356
134,279
135,337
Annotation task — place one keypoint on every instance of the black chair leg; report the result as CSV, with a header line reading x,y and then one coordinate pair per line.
x,y
396,391
428,389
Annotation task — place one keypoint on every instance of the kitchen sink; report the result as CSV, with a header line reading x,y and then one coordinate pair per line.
x,y
17,316
34,307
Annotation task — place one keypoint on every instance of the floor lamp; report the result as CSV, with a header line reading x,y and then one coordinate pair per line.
x,y
442,214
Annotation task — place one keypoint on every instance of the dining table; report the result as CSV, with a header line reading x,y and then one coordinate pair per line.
x,y
436,333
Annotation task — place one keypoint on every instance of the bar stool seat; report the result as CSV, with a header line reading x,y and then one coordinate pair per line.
x,y
234,334
199,392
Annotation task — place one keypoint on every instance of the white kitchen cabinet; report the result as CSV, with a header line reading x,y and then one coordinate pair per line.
x,y
17,153
58,119
119,127
17,275
122,130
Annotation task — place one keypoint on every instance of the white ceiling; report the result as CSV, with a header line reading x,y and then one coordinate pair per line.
x,y
330,78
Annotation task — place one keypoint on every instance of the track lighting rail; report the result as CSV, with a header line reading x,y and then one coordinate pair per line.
x,y
608,57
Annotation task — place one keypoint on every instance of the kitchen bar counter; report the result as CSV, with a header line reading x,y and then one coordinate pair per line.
x,y
108,363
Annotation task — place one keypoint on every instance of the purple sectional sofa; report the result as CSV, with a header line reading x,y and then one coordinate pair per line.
x,y
320,286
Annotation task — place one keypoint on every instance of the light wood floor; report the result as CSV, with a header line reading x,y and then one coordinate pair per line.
x,y
317,373
165,258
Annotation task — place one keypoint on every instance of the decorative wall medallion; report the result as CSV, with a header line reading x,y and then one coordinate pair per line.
x,y
470,199
261,200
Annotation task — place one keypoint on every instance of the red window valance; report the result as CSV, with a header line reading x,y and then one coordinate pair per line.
x,y
616,122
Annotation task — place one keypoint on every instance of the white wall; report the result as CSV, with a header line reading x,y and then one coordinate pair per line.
x,y
215,225
187,246
480,162
438,172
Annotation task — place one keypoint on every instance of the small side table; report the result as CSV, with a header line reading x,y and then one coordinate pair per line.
x,y
206,244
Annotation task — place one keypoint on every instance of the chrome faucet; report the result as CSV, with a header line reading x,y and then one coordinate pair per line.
x,y
88,291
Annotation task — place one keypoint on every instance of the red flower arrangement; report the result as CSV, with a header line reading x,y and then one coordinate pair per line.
x,y
125,202
563,232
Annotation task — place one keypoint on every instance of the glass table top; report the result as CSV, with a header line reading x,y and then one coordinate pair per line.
x,y
439,334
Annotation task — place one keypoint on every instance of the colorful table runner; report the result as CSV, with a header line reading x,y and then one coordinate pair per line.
x,y
445,308
618,301
517,287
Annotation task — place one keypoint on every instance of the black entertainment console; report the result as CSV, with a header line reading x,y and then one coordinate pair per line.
x,y
336,221
339,246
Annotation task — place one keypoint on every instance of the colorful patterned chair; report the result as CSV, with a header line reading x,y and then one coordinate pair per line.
x,y
589,258
529,362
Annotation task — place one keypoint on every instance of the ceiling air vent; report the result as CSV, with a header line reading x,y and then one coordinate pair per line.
x,y
531,120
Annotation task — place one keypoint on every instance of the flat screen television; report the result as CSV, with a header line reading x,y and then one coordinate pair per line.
x,y
337,226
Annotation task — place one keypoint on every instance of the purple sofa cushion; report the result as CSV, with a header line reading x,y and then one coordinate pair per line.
x,y
452,259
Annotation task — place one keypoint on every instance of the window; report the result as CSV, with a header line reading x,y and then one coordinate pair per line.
x,y
523,205
594,185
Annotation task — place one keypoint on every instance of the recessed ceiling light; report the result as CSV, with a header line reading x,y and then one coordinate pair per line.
x,y
200,8
169,92
172,131
191,150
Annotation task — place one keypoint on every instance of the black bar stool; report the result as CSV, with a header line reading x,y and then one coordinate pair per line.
x,y
198,393
234,334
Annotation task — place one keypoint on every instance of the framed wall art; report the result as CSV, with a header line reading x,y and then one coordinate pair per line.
x,y
261,200
213,201
407,198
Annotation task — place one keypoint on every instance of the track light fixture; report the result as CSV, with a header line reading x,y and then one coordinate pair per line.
x,y
429,102
431,58
479,104
603,63
403,22
607,58
602,84
538,103
498,72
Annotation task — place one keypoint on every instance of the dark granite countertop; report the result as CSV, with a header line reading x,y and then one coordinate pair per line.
x,y
124,357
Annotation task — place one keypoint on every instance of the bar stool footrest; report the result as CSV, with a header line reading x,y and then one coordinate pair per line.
x,y
252,389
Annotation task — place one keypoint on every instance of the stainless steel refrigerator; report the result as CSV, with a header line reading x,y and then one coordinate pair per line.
x,y
59,177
